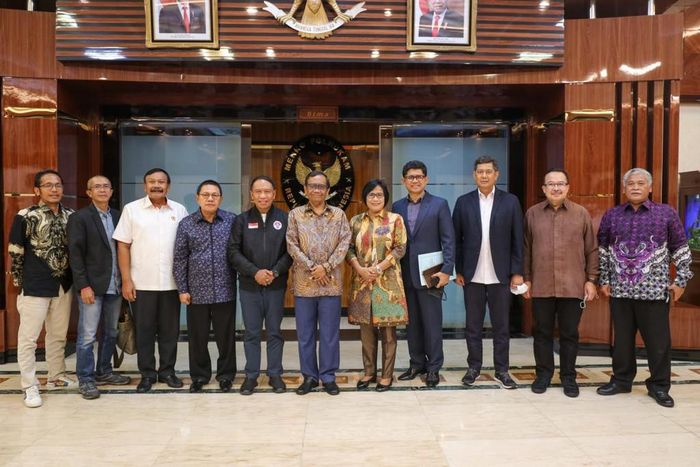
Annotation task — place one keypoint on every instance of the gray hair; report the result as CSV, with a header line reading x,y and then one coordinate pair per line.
x,y
636,171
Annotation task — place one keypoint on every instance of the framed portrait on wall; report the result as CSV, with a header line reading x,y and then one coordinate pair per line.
x,y
441,25
182,23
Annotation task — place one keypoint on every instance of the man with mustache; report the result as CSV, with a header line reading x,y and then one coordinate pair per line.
x,y
146,235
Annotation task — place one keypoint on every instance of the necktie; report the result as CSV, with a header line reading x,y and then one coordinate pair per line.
x,y
186,18
436,25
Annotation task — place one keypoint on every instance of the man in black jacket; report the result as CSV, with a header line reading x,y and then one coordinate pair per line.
x,y
258,251
93,260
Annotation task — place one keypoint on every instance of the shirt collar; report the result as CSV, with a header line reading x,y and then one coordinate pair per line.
x,y
382,215
309,211
45,207
564,205
148,204
108,212
490,195
646,204
200,218
419,200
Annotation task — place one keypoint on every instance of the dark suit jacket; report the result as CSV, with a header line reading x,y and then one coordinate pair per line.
x,y
170,19
89,252
433,232
505,234
452,25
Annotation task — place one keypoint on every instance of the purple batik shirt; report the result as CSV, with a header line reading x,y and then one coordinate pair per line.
x,y
636,249
200,262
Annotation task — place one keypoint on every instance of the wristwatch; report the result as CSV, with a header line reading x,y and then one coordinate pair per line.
x,y
378,268
275,273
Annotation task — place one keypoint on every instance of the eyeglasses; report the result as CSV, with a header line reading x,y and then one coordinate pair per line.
x,y
551,185
375,195
485,172
100,187
210,195
316,187
415,178
50,186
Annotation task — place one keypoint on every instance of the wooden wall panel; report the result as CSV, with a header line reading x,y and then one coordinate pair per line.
x,y
656,134
28,144
27,44
508,32
671,149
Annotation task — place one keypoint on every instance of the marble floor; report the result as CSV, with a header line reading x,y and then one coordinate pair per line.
x,y
407,426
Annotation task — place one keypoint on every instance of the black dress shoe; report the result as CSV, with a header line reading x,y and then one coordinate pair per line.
x,y
411,373
196,386
248,386
171,380
331,388
611,389
570,387
540,385
432,379
145,385
365,384
383,387
662,398
277,384
306,387
225,385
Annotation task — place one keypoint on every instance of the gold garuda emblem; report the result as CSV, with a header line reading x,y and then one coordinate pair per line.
x,y
314,23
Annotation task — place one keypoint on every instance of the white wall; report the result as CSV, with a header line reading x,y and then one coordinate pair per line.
x,y
689,152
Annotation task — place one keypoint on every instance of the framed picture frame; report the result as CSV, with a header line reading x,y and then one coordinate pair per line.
x,y
441,25
184,24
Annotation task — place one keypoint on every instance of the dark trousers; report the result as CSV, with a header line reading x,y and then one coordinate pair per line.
x,y
156,316
424,329
651,318
258,306
324,311
222,318
567,313
476,296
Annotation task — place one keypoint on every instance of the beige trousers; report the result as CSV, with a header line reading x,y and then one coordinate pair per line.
x,y
34,312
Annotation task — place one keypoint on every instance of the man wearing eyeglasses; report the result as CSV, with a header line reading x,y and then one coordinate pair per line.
x,y
93,260
429,230
206,283
561,270
39,267
146,237
318,237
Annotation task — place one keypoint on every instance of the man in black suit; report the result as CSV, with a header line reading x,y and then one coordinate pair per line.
x,y
489,231
440,21
93,260
429,227
182,17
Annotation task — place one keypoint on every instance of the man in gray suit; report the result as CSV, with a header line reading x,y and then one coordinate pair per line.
x,y
430,229
93,260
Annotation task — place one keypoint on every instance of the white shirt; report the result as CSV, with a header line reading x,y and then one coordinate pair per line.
x,y
485,273
151,233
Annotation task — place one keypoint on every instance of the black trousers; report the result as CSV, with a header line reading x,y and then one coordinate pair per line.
x,y
424,329
476,296
200,319
567,313
157,316
651,318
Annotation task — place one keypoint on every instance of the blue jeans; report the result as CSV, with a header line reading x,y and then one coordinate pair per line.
x,y
106,310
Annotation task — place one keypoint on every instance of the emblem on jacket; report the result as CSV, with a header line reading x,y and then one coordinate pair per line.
x,y
314,23
317,152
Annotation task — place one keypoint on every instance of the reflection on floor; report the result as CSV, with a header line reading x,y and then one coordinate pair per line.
x,y
409,425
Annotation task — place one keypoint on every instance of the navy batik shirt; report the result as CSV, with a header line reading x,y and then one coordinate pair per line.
x,y
637,247
200,263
